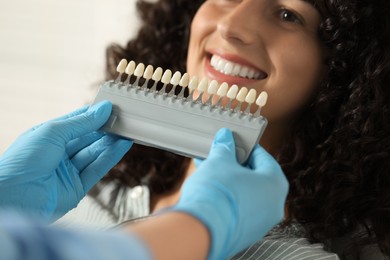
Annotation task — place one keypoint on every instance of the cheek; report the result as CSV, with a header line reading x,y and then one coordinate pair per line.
x,y
191,49
297,78
301,63
202,25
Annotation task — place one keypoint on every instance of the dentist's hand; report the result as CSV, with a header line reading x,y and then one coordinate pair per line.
x,y
51,167
238,204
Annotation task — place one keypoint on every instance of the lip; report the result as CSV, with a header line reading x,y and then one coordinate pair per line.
x,y
220,77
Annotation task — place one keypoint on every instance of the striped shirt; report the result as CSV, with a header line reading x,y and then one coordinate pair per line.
x,y
117,203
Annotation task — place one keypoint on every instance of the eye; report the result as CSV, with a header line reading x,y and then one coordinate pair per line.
x,y
289,16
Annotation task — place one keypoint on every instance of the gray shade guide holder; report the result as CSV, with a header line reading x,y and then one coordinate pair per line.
x,y
174,123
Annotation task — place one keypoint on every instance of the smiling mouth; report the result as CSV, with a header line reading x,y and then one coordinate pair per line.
x,y
230,68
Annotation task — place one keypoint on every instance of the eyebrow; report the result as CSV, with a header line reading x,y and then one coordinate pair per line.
x,y
311,2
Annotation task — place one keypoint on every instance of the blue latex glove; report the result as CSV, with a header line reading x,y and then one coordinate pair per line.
x,y
238,204
51,167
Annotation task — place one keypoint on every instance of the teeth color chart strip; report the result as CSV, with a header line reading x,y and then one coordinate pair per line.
x,y
168,110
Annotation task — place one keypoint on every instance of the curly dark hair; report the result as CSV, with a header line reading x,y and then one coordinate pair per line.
x,y
162,171
337,159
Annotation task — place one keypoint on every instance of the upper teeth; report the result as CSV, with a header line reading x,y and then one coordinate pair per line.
x,y
234,69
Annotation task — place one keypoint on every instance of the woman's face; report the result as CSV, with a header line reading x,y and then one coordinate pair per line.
x,y
271,44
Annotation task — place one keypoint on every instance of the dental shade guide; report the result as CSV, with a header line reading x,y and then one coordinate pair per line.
x,y
241,98
177,123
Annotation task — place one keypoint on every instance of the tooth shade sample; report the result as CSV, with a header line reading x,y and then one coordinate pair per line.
x,y
121,66
262,99
213,87
176,78
193,83
188,115
148,72
251,97
130,68
166,78
157,74
202,87
223,89
232,93
242,94
139,70
185,80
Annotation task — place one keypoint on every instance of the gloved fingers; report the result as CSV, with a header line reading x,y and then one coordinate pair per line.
x,y
104,162
261,159
223,145
91,152
265,165
263,162
76,145
68,129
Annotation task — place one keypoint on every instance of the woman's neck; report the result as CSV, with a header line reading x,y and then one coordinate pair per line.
x,y
162,201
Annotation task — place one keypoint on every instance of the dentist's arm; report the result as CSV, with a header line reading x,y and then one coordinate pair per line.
x,y
215,217
224,208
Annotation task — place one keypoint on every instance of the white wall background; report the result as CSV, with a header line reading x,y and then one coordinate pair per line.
x,y
51,54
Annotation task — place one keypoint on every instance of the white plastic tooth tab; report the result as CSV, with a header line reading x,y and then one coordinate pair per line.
x,y
166,79
202,87
175,80
222,91
250,99
138,72
184,81
231,94
121,69
242,94
261,101
156,77
157,74
130,68
192,86
212,90
213,87
129,71
121,66
241,97
148,73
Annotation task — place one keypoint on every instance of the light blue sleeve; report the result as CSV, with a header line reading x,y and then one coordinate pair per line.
x,y
21,238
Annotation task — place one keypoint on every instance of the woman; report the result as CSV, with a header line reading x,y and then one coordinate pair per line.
x,y
325,66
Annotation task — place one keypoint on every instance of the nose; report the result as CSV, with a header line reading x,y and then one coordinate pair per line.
x,y
237,23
